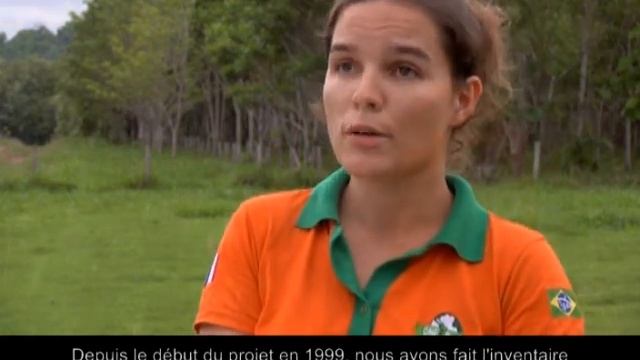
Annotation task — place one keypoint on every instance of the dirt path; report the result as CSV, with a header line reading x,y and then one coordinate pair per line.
x,y
8,158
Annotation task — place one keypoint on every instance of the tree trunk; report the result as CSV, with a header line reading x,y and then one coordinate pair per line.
x,y
148,171
214,101
587,23
599,133
237,149
158,134
175,124
259,156
148,153
537,146
536,159
206,124
317,150
221,108
261,132
517,133
213,108
294,156
251,127
145,115
636,136
35,162
174,141
627,144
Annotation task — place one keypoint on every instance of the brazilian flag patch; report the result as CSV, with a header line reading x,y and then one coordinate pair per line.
x,y
563,303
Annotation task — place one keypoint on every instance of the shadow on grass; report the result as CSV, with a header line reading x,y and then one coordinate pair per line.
x,y
204,213
138,183
610,221
37,183
273,178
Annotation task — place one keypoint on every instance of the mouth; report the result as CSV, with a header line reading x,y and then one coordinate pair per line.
x,y
364,130
364,133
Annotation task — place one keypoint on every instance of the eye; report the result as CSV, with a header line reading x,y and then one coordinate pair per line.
x,y
344,67
405,72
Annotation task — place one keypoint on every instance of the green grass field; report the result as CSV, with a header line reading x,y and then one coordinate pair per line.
x,y
83,251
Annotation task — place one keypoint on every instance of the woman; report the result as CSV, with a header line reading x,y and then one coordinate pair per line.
x,y
389,243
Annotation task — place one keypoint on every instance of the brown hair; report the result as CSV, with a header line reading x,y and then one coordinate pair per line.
x,y
472,36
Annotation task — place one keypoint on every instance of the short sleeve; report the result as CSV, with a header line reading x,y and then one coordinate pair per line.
x,y
230,297
538,298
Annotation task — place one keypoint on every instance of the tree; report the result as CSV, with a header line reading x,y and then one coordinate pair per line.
x,y
615,74
542,67
32,42
176,56
26,111
3,41
269,62
85,80
64,36
629,75
238,77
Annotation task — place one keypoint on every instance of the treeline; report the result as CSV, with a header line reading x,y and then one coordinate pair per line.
x,y
28,82
239,79
38,42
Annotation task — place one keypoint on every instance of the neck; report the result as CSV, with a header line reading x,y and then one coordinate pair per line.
x,y
397,204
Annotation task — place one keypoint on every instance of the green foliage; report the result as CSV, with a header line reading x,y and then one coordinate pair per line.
x,y
26,109
85,82
64,36
39,42
629,73
544,47
3,41
249,42
264,58
580,154
618,74
277,178
119,64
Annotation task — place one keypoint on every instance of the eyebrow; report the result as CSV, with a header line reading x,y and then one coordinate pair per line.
x,y
342,47
411,50
397,48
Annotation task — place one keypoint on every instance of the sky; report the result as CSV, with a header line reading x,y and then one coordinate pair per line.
x,y
16,15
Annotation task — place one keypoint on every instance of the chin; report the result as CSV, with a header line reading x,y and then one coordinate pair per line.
x,y
366,167
380,168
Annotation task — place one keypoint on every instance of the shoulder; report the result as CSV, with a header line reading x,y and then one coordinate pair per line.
x,y
535,293
274,209
518,248
514,245
276,203
262,218
511,236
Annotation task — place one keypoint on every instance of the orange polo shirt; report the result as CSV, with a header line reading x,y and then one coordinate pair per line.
x,y
283,267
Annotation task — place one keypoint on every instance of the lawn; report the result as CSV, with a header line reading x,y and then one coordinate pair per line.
x,y
84,251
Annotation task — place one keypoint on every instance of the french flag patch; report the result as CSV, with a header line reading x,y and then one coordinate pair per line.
x,y
212,271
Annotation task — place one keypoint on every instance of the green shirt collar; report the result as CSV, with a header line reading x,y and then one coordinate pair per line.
x,y
465,229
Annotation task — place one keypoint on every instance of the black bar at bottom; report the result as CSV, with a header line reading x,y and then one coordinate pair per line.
x,y
317,348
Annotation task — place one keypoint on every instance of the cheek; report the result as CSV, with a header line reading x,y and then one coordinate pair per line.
x,y
333,102
425,116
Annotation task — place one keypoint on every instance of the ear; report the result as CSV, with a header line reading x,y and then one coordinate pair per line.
x,y
466,99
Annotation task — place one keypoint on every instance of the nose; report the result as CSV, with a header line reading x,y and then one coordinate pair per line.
x,y
368,95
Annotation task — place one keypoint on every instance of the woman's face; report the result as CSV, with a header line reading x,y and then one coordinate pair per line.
x,y
388,94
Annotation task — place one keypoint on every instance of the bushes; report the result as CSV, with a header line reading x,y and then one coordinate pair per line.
x,y
268,177
26,110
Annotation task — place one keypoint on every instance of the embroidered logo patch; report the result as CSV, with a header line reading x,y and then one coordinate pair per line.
x,y
563,303
444,324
